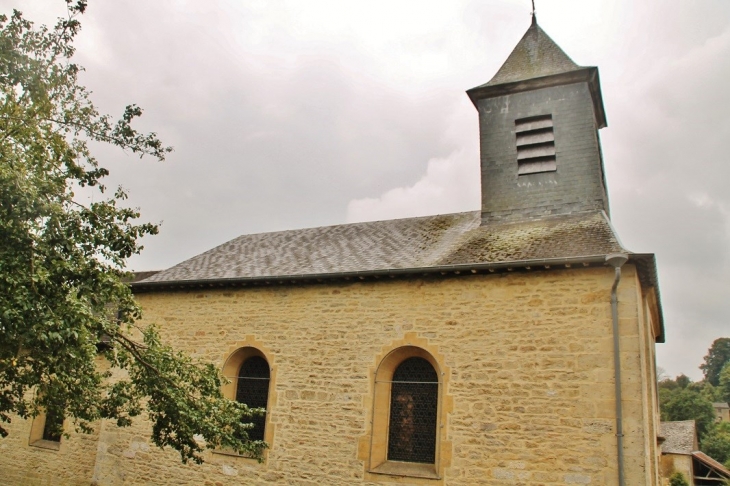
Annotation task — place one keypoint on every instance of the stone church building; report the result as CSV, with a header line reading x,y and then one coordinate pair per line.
x,y
509,345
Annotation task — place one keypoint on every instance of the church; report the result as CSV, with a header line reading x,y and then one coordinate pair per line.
x,y
509,345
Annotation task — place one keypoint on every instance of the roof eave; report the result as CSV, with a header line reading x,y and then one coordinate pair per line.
x,y
387,272
708,461
645,262
585,74
649,279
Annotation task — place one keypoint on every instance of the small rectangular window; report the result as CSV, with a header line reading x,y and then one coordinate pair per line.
x,y
535,145
45,430
52,426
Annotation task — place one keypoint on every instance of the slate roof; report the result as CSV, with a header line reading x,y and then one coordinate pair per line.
x,y
680,437
535,56
137,276
412,243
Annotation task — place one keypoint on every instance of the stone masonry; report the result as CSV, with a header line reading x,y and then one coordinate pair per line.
x,y
530,382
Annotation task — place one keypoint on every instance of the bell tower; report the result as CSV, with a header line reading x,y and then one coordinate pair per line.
x,y
539,118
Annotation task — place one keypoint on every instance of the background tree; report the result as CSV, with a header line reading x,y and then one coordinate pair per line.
x,y
688,404
683,381
682,399
724,387
717,356
678,479
62,263
716,443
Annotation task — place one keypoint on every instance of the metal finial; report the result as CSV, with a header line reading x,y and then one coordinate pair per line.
x,y
534,17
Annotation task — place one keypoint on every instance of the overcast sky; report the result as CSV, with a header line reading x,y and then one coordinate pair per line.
x,y
292,114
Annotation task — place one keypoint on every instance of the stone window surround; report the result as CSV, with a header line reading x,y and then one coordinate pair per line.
x,y
233,360
36,434
373,446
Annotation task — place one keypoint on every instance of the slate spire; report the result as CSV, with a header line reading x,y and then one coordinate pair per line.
x,y
537,62
535,56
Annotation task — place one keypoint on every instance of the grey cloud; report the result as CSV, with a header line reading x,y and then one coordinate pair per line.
x,y
257,147
276,130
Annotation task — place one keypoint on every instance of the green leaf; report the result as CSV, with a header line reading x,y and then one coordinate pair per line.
x,y
62,262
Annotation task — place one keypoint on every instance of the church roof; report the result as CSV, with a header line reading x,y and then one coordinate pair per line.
x,y
535,56
412,243
431,245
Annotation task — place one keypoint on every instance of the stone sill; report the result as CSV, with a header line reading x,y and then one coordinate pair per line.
x,y
47,444
408,469
222,452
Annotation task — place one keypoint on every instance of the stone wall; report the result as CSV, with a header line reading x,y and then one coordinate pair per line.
x,y
674,463
527,393
21,463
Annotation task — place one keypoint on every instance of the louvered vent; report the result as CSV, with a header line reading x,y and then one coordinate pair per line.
x,y
535,145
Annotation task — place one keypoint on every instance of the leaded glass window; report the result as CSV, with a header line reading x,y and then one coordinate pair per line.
x,y
253,390
413,412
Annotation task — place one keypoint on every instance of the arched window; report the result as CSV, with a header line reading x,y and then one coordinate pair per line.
x,y
413,412
253,390
410,407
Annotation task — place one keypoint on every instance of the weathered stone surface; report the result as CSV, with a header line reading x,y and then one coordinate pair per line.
x,y
529,385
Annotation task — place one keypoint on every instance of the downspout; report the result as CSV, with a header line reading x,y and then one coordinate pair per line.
x,y
616,260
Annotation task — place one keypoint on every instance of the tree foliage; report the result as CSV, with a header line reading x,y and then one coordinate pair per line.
x,y
717,357
688,404
724,385
716,443
678,479
682,399
62,263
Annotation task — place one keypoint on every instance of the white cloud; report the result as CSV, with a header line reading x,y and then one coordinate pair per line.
x,y
450,185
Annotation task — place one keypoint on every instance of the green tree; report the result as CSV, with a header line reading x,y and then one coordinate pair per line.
x,y
705,388
683,381
678,479
688,404
668,389
716,443
62,263
724,387
717,356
